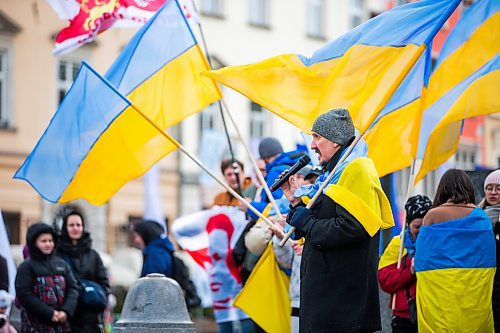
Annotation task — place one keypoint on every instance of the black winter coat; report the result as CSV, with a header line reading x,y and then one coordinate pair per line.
x,y
38,275
339,285
86,264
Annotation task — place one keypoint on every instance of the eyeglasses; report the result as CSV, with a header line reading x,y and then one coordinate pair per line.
x,y
490,188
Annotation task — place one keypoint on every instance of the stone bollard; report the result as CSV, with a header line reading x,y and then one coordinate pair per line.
x,y
154,304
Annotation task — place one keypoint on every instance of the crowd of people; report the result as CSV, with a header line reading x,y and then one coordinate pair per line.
x,y
440,272
334,263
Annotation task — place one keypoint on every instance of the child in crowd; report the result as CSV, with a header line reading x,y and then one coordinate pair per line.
x,y
45,285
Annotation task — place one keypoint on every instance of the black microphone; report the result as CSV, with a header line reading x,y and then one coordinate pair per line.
x,y
302,162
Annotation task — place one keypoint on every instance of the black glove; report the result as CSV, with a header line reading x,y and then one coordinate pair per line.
x,y
301,217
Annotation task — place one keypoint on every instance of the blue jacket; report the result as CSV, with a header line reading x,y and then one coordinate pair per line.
x,y
281,163
157,257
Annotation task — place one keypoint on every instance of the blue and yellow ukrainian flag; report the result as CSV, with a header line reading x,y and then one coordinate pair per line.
x,y
159,69
390,137
463,85
359,71
455,262
93,145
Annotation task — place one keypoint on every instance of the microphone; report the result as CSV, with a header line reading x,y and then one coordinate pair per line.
x,y
302,162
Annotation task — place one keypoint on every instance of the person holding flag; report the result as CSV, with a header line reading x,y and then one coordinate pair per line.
x,y
339,286
401,282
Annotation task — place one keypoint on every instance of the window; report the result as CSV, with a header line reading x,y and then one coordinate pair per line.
x,y
316,18
211,8
8,29
400,2
259,13
4,107
402,179
357,10
466,158
431,181
208,118
12,222
66,74
257,121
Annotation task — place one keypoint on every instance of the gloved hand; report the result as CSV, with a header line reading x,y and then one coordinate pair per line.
x,y
300,218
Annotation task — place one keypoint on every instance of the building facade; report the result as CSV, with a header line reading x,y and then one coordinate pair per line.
x,y
32,83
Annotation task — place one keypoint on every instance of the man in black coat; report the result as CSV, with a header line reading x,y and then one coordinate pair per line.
x,y
339,287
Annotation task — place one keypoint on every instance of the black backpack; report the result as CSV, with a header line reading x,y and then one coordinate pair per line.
x,y
180,273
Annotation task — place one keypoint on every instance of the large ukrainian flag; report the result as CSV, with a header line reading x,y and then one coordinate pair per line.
x,y
391,136
159,69
359,71
93,145
463,85
455,263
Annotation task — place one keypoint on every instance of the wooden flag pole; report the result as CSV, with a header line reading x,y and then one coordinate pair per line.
x,y
200,164
409,192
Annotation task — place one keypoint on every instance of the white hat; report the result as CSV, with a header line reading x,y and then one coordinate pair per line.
x,y
493,178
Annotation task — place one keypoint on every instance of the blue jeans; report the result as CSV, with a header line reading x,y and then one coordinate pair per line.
x,y
229,326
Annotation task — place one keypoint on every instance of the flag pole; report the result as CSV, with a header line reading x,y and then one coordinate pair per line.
x,y
200,164
258,172
222,105
409,192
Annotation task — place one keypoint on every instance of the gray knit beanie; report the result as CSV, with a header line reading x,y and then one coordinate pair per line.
x,y
335,125
269,147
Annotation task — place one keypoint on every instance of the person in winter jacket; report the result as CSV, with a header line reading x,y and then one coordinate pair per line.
x,y
491,205
338,275
401,282
45,286
75,247
157,248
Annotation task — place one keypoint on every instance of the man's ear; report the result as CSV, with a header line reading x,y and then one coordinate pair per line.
x,y
336,145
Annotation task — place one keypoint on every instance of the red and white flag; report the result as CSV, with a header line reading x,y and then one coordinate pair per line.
x,y
87,18
190,231
209,237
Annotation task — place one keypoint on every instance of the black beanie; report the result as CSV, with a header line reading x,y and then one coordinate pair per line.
x,y
416,207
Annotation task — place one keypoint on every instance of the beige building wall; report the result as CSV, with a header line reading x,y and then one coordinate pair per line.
x,y
33,92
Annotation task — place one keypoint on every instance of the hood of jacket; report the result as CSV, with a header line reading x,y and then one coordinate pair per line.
x,y
32,234
149,231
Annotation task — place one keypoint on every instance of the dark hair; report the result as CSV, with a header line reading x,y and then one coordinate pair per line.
x,y
228,163
455,186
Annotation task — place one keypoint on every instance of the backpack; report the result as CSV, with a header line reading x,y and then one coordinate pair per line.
x,y
180,273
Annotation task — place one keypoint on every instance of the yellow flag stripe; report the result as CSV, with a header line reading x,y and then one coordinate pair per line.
x,y
125,151
177,90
